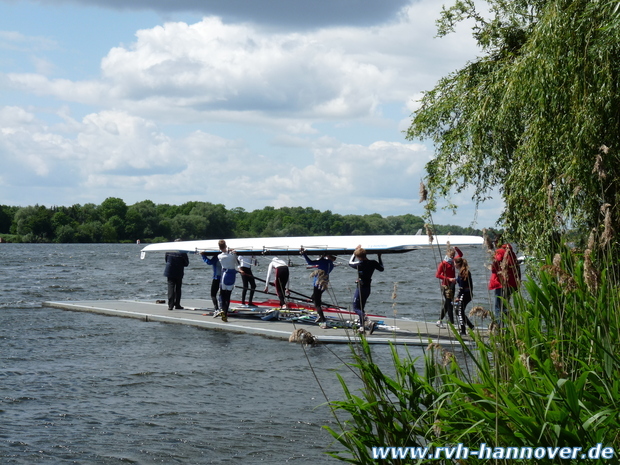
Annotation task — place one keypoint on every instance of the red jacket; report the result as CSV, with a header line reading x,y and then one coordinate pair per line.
x,y
505,271
445,270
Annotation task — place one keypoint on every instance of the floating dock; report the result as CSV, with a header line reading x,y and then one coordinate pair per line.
x,y
197,313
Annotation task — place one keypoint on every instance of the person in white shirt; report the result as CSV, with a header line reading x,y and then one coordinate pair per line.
x,y
281,274
245,268
228,260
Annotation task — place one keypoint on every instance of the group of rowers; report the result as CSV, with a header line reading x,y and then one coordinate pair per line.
x,y
454,269
227,264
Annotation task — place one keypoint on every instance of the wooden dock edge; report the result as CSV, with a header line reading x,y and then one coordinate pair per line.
x,y
419,333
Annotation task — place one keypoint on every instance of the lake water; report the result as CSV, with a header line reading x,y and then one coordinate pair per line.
x,y
90,389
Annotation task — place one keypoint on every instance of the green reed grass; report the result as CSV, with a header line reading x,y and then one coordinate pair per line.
x,y
549,378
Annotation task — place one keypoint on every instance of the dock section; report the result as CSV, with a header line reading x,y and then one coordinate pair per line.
x,y
197,313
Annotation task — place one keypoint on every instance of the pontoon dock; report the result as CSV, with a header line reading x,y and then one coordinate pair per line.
x,y
403,332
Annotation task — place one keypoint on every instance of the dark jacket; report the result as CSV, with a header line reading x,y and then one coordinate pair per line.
x,y
175,264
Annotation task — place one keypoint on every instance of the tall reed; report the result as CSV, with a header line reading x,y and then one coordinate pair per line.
x,y
549,378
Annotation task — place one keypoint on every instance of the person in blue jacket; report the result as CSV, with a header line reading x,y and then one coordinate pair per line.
x,y
217,276
324,267
174,271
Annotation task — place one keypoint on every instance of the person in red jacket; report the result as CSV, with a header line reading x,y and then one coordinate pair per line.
x,y
445,272
505,278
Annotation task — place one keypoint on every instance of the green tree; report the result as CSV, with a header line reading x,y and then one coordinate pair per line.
x,y
165,228
6,218
60,218
167,211
259,220
65,234
405,224
142,220
114,221
34,224
113,206
188,227
86,213
241,223
90,232
218,223
135,224
114,229
537,117
329,224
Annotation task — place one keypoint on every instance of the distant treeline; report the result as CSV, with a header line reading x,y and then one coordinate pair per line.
x,y
115,221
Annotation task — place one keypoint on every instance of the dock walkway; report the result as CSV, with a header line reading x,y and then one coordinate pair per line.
x,y
403,332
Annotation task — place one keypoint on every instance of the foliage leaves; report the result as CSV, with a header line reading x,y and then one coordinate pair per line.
x,y
537,117
114,221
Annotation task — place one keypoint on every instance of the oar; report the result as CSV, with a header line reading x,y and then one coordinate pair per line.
x,y
302,295
306,301
324,304
271,293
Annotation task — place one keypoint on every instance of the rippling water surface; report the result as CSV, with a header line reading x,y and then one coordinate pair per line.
x,y
89,389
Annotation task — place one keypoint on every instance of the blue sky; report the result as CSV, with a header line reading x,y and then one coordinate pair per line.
x,y
238,102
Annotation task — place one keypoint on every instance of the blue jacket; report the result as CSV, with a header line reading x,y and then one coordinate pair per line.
x,y
215,263
323,264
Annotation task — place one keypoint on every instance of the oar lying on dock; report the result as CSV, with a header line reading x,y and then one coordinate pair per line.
x,y
308,298
326,307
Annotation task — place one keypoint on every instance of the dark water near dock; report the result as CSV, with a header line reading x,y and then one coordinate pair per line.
x,y
89,389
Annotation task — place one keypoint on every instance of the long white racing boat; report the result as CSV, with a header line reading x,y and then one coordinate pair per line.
x,y
315,245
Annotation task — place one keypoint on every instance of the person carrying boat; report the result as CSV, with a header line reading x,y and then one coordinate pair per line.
x,y
324,267
365,268
445,272
217,276
228,260
174,271
245,269
279,268
466,288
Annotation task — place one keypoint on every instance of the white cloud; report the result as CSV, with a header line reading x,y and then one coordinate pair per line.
x,y
211,66
181,71
29,150
345,177
114,149
12,118
304,117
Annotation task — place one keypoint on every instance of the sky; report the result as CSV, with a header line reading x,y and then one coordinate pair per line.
x,y
245,103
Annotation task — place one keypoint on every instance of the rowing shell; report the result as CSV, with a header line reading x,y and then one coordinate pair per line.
x,y
314,245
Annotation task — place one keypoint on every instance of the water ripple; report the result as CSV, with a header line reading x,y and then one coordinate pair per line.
x,y
84,388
